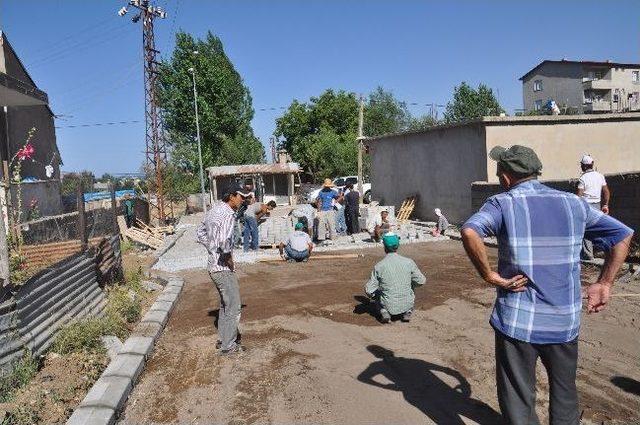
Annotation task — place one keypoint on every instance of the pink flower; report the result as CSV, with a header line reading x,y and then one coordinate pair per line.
x,y
26,152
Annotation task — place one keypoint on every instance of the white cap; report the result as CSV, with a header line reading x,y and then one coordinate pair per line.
x,y
586,160
438,212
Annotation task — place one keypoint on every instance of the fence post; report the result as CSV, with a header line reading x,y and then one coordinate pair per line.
x,y
82,219
114,210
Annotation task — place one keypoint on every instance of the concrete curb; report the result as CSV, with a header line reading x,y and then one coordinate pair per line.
x,y
109,393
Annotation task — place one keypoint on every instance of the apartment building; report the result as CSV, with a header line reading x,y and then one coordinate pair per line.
x,y
585,86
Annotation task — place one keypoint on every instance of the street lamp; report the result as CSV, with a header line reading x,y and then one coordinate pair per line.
x,y
195,106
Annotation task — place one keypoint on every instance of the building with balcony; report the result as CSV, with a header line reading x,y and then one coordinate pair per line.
x,y
583,86
23,107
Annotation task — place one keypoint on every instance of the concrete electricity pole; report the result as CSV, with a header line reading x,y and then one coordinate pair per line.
x,y
360,145
195,106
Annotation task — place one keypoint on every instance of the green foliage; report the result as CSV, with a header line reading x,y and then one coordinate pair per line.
x,y
71,181
224,106
21,373
321,134
84,335
421,123
123,308
469,103
18,273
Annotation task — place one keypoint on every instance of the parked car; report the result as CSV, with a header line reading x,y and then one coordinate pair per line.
x,y
340,183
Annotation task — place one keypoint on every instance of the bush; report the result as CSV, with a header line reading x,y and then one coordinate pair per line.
x,y
124,303
84,335
21,373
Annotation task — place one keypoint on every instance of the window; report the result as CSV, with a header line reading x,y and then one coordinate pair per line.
x,y
339,182
616,95
352,180
537,85
635,77
537,105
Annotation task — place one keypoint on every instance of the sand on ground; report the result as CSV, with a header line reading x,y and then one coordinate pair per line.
x,y
315,353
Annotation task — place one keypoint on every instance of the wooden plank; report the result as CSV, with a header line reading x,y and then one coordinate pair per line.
x,y
316,257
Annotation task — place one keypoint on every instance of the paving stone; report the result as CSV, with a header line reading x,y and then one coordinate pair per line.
x,y
162,306
151,286
172,290
157,316
108,392
92,416
148,329
112,344
167,297
139,345
126,366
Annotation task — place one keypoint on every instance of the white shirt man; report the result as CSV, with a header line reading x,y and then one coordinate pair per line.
x,y
592,186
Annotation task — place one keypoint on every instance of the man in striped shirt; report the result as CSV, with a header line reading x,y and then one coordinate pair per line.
x,y
537,310
216,234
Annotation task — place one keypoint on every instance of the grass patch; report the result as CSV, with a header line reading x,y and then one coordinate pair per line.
x,y
126,246
21,373
124,308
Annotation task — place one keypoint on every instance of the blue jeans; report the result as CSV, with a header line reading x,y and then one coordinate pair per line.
x,y
295,254
250,232
341,223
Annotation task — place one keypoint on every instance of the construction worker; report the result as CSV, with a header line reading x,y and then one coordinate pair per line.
x,y
539,292
129,210
250,233
351,209
380,226
326,214
592,186
216,234
298,245
392,282
442,225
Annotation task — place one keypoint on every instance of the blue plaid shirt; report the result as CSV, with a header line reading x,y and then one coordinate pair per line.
x,y
540,232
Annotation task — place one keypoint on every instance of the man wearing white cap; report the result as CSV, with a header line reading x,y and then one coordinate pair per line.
x,y
592,186
443,224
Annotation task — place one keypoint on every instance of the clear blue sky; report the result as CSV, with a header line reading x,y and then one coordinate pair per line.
x,y
88,59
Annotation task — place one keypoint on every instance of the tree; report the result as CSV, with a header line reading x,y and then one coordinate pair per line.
x,y
321,135
224,107
71,181
469,103
384,114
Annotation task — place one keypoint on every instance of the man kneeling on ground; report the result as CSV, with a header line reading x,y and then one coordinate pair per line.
x,y
298,245
392,282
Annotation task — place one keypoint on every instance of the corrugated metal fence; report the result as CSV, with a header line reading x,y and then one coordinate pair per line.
x,y
32,314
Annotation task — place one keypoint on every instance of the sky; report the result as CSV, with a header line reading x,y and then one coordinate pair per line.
x,y
89,60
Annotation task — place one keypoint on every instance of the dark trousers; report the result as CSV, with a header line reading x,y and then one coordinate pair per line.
x,y
130,220
516,380
251,233
351,217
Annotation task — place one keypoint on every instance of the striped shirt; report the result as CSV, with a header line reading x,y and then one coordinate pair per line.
x,y
216,234
395,277
540,232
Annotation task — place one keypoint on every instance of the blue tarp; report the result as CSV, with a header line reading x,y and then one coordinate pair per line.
x,y
97,196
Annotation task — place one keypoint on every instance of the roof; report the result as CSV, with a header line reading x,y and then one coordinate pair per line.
x,y
236,170
587,63
519,120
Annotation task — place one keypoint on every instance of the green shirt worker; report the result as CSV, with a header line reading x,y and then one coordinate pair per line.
x,y
392,282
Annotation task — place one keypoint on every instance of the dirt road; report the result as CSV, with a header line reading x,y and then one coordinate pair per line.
x,y
316,355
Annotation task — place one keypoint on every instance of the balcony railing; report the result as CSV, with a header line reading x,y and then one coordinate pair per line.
x,y
597,105
601,84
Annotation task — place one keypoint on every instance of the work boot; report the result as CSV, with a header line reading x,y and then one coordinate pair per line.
x,y
406,317
385,317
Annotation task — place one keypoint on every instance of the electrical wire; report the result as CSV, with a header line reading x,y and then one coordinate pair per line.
x,y
100,124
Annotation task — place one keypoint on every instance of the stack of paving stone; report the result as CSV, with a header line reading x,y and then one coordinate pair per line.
x,y
275,230
109,393
369,212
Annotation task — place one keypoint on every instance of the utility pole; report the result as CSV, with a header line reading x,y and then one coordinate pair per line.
x,y
360,145
156,150
273,150
195,106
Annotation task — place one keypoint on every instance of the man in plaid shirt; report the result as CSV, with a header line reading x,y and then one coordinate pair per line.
x,y
539,299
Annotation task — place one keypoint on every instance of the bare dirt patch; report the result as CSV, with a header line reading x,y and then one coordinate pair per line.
x,y
316,354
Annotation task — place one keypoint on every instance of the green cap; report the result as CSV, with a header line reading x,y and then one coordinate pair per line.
x,y
391,240
518,159
299,226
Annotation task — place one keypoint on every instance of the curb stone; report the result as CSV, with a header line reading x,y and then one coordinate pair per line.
x,y
107,396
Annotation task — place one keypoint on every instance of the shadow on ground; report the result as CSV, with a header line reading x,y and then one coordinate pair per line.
x,y
626,384
425,390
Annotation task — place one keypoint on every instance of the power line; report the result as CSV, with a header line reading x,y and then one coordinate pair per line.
x,y
100,124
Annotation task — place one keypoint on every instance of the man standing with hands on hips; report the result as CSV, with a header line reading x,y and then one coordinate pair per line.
x,y
216,234
592,186
539,297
